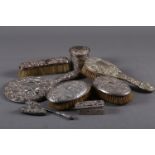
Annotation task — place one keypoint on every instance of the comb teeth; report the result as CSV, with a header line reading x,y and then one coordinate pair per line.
x,y
118,100
45,70
68,105
88,73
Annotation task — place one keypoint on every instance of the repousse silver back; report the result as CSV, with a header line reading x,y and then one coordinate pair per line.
x,y
68,91
44,62
33,108
30,88
79,54
100,66
103,67
90,104
112,86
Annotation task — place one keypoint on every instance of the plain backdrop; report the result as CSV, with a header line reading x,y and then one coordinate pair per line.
x,y
131,48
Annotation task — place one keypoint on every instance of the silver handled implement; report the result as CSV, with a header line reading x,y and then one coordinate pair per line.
x,y
61,114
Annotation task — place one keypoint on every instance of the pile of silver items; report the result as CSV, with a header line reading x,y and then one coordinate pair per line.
x,y
32,90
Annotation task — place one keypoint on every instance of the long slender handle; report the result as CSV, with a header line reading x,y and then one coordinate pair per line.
x,y
66,77
142,85
69,117
62,114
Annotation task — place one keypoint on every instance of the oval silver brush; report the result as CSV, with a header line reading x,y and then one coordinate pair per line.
x,y
94,67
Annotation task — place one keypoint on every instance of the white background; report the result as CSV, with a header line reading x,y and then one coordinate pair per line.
x,y
77,13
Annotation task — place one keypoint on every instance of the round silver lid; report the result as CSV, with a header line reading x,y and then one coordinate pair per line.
x,y
100,66
30,88
68,91
112,86
79,50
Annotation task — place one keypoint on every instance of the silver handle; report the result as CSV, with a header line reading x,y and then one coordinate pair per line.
x,y
142,85
62,114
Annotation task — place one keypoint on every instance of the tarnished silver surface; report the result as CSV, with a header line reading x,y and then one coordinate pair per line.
x,y
95,107
44,62
79,54
68,91
30,88
61,114
89,104
92,111
112,86
102,67
66,77
79,50
33,108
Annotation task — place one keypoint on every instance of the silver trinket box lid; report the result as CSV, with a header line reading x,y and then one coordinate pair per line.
x,y
90,104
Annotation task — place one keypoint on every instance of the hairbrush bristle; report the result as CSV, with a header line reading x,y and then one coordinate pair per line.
x,y
88,73
44,70
68,105
118,100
